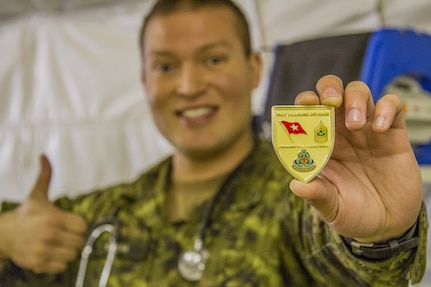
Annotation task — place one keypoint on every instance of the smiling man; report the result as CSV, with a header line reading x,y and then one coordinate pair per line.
x,y
222,210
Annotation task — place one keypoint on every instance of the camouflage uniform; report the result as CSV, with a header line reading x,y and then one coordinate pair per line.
x,y
260,234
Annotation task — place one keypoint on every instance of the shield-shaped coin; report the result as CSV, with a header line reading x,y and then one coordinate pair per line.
x,y
303,138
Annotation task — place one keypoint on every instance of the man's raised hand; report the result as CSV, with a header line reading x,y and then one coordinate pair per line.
x,y
37,235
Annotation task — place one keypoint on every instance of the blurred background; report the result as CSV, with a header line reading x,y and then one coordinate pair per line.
x,y
70,88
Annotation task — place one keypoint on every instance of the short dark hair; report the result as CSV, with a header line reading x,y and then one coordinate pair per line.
x,y
166,7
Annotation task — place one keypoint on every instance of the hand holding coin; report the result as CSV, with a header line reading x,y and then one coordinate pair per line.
x,y
370,187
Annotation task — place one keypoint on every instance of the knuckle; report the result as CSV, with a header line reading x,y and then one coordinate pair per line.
x,y
49,235
38,253
80,242
57,267
72,255
35,262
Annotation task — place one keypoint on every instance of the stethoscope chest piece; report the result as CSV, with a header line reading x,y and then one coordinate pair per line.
x,y
191,264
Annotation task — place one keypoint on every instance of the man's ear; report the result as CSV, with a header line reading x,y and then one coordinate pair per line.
x,y
256,66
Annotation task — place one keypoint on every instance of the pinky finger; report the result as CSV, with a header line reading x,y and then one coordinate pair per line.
x,y
51,267
388,113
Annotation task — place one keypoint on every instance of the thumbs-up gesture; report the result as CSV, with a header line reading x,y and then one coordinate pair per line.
x,y
37,235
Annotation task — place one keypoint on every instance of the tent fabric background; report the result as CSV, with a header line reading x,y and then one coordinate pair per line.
x,y
70,87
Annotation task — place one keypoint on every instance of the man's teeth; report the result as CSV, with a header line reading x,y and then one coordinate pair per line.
x,y
194,113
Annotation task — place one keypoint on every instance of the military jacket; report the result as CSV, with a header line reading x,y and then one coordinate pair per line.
x,y
257,234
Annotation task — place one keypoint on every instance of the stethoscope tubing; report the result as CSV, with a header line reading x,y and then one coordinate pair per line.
x,y
194,268
88,249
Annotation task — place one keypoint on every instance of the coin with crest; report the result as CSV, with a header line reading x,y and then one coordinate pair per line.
x,y
303,138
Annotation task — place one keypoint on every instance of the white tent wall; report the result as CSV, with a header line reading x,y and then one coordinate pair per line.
x,y
70,88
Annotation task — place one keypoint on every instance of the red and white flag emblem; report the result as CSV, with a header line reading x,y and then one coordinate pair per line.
x,y
293,127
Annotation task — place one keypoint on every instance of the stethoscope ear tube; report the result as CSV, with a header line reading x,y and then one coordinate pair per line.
x,y
88,249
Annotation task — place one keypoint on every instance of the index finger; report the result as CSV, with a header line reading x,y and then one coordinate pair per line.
x,y
330,90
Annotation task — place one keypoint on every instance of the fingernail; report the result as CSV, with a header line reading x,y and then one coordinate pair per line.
x,y
330,92
355,115
381,122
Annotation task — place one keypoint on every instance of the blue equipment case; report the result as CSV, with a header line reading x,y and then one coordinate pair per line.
x,y
391,53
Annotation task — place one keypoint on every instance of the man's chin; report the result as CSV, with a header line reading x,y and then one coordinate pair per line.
x,y
202,152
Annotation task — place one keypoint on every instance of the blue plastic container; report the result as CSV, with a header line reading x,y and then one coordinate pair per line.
x,y
391,53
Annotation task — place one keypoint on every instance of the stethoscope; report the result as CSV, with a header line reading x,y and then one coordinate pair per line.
x,y
191,263
112,229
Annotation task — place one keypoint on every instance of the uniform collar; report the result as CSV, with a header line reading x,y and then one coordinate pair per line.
x,y
242,190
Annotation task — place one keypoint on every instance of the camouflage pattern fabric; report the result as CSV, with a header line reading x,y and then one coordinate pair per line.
x,y
260,234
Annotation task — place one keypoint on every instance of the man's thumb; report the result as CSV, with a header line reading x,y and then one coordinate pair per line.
x,y
41,187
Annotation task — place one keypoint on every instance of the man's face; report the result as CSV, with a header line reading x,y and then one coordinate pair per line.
x,y
198,80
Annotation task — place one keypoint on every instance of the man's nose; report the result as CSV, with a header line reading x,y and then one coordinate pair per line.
x,y
191,81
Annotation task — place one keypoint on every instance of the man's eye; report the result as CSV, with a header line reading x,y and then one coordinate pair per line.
x,y
216,60
164,68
